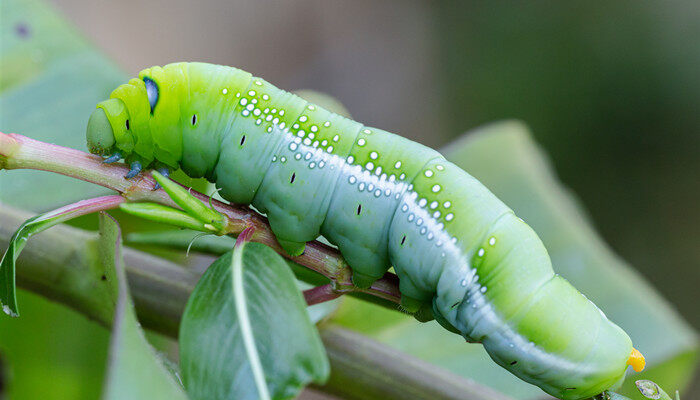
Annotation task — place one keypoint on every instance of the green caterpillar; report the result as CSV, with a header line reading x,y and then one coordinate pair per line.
x,y
459,252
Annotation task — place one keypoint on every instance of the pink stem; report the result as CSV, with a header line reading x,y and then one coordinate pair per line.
x,y
321,294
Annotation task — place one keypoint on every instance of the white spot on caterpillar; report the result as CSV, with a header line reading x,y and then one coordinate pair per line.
x,y
307,141
300,133
423,230
327,124
269,129
378,171
377,192
404,207
297,156
314,144
276,120
311,136
397,165
266,97
367,131
224,91
430,236
324,143
352,179
283,159
402,176
387,192
411,217
392,178
244,101
258,83
398,195
297,140
321,164
282,125
464,282
251,93
314,128
238,94
370,187
428,173
307,156
311,107
303,118
436,214
350,159
274,158
439,167
281,112
256,112
312,165
268,118
258,121
492,241
336,138
436,188
292,146
250,107
361,186
369,166
433,205
329,149
422,202
373,155
447,204
295,126
245,113
481,252
483,289
361,142
419,222
449,217
254,101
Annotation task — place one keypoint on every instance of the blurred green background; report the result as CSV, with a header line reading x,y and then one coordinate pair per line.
x,y
610,91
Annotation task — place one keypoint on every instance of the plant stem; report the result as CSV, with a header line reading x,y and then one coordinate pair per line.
x,y
20,152
360,367
320,294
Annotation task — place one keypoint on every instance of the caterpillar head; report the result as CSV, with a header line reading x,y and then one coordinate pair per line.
x,y
109,119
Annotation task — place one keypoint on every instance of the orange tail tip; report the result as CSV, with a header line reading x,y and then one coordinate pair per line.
x,y
636,360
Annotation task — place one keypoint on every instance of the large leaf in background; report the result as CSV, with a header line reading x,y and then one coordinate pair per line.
x,y
245,330
134,370
51,80
504,157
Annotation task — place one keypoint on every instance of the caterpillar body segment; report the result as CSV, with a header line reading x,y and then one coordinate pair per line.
x,y
460,253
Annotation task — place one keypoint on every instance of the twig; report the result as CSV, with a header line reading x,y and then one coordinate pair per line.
x,y
20,152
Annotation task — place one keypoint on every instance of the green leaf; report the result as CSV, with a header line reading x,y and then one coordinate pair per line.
x,y
134,370
245,324
193,206
164,214
504,157
34,225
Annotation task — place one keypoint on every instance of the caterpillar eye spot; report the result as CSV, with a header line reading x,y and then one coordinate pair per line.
x,y
194,119
513,363
151,92
103,277
359,209
242,140
127,124
403,240
294,175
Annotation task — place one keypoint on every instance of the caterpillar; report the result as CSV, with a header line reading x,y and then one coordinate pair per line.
x,y
383,200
